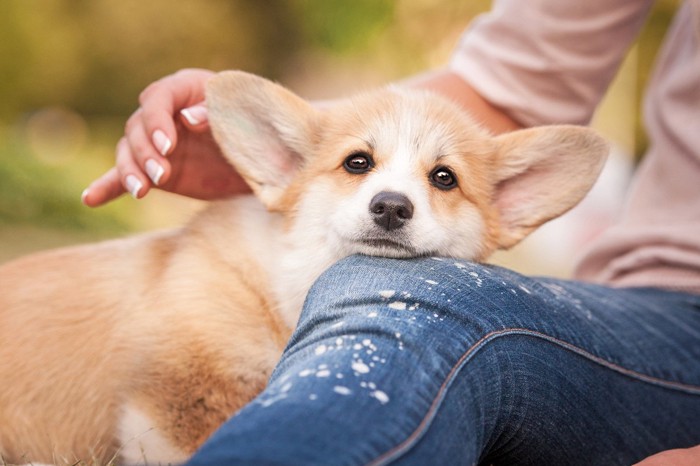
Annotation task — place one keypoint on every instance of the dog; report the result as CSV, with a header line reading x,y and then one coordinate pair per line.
x,y
138,348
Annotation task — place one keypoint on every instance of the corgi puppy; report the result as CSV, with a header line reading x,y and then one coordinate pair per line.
x,y
136,349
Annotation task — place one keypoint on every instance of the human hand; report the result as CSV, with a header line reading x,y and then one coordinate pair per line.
x,y
679,457
167,143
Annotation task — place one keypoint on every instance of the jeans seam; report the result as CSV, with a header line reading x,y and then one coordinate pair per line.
x,y
415,436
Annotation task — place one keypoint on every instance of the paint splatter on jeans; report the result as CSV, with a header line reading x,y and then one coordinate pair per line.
x,y
438,361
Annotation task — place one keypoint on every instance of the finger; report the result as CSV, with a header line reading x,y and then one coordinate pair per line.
x,y
131,176
196,117
156,120
156,117
163,99
104,189
142,153
135,134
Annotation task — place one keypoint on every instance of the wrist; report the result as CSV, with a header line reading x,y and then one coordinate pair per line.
x,y
459,91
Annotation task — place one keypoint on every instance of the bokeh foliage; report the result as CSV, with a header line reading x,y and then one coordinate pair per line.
x,y
94,56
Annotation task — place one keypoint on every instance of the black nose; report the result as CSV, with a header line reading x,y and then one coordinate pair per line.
x,y
391,210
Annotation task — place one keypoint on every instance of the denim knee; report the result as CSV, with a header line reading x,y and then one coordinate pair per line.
x,y
427,290
434,307
460,305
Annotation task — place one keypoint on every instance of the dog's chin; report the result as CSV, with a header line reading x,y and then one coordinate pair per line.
x,y
386,248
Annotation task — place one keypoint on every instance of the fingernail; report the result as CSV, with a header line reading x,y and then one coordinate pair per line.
x,y
161,142
133,185
85,193
154,171
195,115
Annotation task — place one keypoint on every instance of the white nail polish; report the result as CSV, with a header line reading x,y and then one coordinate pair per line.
x,y
195,115
133,185
162,142
154,171
189,117
85,193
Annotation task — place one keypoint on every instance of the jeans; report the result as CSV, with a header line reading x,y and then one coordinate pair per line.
x,y
438,362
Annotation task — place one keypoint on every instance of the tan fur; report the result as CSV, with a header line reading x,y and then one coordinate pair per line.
x,y
160,320
184,327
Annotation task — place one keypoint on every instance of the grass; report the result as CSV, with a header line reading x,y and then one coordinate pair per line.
x,y
57,463
65,462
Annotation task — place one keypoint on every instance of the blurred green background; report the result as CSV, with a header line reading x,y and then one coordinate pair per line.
x,y
71,72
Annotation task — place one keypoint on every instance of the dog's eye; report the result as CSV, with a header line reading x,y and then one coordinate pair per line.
x,y
358,162
443,178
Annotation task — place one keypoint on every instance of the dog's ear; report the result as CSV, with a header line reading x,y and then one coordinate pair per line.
x,y
263,129
541,173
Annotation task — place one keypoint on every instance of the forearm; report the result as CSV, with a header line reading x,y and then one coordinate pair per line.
x,y
453,87
549,61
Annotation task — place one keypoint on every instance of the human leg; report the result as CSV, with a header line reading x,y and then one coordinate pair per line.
x,y
446,362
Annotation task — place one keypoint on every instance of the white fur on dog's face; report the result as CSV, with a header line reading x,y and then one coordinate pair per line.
x,y
407,139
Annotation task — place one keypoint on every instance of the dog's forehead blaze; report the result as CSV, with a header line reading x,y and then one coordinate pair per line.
x,y
391,123
398,128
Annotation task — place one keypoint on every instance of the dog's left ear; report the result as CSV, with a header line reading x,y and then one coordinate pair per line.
x,y
543,172
263,129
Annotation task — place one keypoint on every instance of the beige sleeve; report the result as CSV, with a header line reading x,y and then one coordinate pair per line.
x,y
548,61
